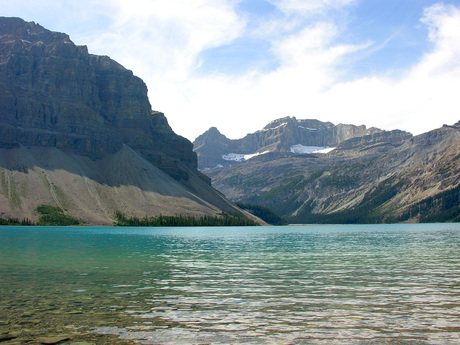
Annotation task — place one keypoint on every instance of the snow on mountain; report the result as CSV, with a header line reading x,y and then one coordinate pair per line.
x,y
239,157
308,129
298,149
273,128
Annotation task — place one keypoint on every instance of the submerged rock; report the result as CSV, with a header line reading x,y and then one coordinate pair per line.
x,y
53,339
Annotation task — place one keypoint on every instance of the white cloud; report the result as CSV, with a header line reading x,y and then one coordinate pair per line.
x,y
309,7
159,38
423,98
241,104
307,85
444,32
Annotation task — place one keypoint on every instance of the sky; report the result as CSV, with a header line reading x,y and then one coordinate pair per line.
x,y
239,64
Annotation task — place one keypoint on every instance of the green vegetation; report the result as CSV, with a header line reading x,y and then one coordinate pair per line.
x,y
367,212
282,199
289,185
223,219
315,175
4,183
263,213
54,216
443,207
340,180
10,189
15,221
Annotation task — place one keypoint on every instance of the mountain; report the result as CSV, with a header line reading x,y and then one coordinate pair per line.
x,y
284,137
366,175
77,132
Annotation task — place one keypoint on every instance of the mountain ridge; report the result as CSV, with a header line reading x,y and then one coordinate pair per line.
x,y
280,136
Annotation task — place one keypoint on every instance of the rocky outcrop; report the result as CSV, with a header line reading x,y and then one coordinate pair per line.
x,y
379,141
77,132
290,131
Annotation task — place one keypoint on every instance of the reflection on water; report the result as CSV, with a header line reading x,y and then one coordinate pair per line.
x,y
269,285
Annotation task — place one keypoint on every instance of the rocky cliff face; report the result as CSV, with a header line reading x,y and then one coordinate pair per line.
x,y
280,138
54,94
70,123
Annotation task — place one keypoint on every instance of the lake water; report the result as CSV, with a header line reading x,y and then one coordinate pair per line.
x,y
366,284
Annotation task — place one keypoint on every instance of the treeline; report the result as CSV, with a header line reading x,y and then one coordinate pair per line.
x,y
263,213
15,221
440,208
443,207
367,212
49,216
223,219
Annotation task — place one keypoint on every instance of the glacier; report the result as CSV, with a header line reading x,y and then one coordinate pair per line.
x,y
299,149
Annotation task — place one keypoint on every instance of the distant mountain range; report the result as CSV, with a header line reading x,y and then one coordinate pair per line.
x,y
77,132
310,171
285,137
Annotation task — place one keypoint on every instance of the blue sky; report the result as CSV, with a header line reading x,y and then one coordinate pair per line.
x,y
238,64
394,28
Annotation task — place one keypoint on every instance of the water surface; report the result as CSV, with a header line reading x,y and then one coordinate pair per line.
x,y
389,284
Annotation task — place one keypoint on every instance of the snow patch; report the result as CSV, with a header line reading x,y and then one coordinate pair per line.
x,y
273,128
310,149
218,166
239,157
309,129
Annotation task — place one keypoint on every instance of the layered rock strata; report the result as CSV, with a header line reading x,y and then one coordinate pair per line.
x,y
55,94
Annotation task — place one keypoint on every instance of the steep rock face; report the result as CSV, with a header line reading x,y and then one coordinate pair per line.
x,y
379,141
54,94
77,131
290,131
279,136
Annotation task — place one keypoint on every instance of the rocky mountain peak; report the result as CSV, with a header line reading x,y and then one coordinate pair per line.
x,y
18,36
29,31
211,135
293,122
279,122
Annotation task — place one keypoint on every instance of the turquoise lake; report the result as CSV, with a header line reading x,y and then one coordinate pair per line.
x,y
365,284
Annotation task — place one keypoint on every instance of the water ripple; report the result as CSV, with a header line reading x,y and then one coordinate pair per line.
x,y
306,285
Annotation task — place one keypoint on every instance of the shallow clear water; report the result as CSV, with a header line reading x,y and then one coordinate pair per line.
x,y
265,285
